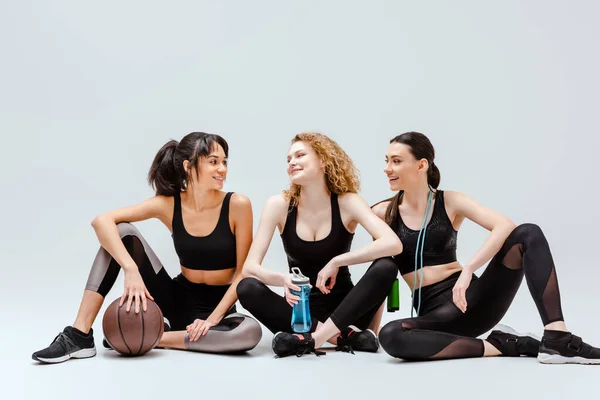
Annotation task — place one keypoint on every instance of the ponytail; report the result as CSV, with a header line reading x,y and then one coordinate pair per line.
x,y
164,175
433,175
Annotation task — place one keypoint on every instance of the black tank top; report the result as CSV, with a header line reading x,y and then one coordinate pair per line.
x,y
311,256
213,252
440,239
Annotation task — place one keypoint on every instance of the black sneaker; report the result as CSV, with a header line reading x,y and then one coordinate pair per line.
x,y
351,339
286,344
565,348
512,343
167,329
67,344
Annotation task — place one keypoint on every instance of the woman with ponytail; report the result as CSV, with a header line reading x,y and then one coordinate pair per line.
x,y
212,233
453,305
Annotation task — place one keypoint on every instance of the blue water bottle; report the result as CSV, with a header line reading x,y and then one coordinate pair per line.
x,y
301,321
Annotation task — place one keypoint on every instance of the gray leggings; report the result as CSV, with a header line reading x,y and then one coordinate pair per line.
x,y
180,300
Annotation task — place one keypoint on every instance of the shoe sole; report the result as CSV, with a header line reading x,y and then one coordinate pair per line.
x,y
511,331
83,353
546,358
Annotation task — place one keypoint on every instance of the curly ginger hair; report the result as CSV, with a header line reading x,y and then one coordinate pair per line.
x,y
341,175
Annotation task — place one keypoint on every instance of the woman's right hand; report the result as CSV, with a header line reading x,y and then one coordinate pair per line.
x,y
135,289
287,285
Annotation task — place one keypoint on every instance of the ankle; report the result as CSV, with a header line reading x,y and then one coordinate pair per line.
x,y
556,326
489,350
82,327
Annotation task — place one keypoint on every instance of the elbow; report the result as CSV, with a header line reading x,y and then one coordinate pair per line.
x,y
97,221
396,246
507,226
247,271
101,220
510,225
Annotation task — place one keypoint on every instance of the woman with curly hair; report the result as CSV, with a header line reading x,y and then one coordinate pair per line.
x,y
316,219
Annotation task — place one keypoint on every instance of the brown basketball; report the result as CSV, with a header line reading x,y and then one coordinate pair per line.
x,y
133,334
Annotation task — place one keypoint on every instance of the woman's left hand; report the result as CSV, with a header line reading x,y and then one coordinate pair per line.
x,y
200,328
459,292
328,272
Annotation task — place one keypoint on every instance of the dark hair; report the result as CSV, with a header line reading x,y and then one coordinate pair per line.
x,y
420,147
167,175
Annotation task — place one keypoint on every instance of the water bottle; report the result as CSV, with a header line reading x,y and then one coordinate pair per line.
x,y
301,322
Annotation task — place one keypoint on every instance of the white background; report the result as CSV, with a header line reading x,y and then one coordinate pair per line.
x,y
89,91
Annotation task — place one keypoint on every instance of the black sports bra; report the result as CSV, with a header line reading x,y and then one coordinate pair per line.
x,y
440,239
216,251
311,256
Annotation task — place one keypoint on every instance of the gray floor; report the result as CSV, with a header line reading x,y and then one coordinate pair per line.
x,y
179,374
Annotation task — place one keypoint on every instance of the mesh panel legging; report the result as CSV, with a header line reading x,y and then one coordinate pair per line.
x,y
180,300
345,305
442,331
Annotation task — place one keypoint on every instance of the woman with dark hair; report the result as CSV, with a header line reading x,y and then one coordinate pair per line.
x,y
454,305
317,218
211,231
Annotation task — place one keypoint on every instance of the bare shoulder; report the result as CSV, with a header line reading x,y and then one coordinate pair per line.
x,y
456,200
276,205
380,208
350,199
277,201
240,202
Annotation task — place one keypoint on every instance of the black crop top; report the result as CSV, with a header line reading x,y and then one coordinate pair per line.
x,y
311,256
440,239
213,252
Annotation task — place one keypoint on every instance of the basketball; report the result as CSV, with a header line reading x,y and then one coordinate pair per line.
x,y
133,334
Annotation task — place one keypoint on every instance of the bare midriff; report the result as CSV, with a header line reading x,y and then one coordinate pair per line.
x,y
431,274
214,278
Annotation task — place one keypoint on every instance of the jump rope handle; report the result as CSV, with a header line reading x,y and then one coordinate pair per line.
x,y
393,299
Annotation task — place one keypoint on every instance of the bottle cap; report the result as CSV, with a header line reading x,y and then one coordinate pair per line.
x,y
298,278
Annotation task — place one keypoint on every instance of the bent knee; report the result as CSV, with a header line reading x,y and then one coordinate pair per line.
x,y
247,287
528,231
385,267
127,229
251,330
247,334
394,339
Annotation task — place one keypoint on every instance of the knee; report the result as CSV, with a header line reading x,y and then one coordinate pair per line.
x,y
385,268
251,332
394,338
127,229
246,335
247,288
528,232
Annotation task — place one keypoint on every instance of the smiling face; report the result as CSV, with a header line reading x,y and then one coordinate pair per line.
x,y
212,169
402,168
304,165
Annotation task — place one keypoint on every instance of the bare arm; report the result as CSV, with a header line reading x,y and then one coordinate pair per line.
x,y
274,211
385,241
106,229
499,226
241,212
105,226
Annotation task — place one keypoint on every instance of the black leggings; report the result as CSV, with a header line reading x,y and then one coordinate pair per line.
x,y
443,331
345,305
